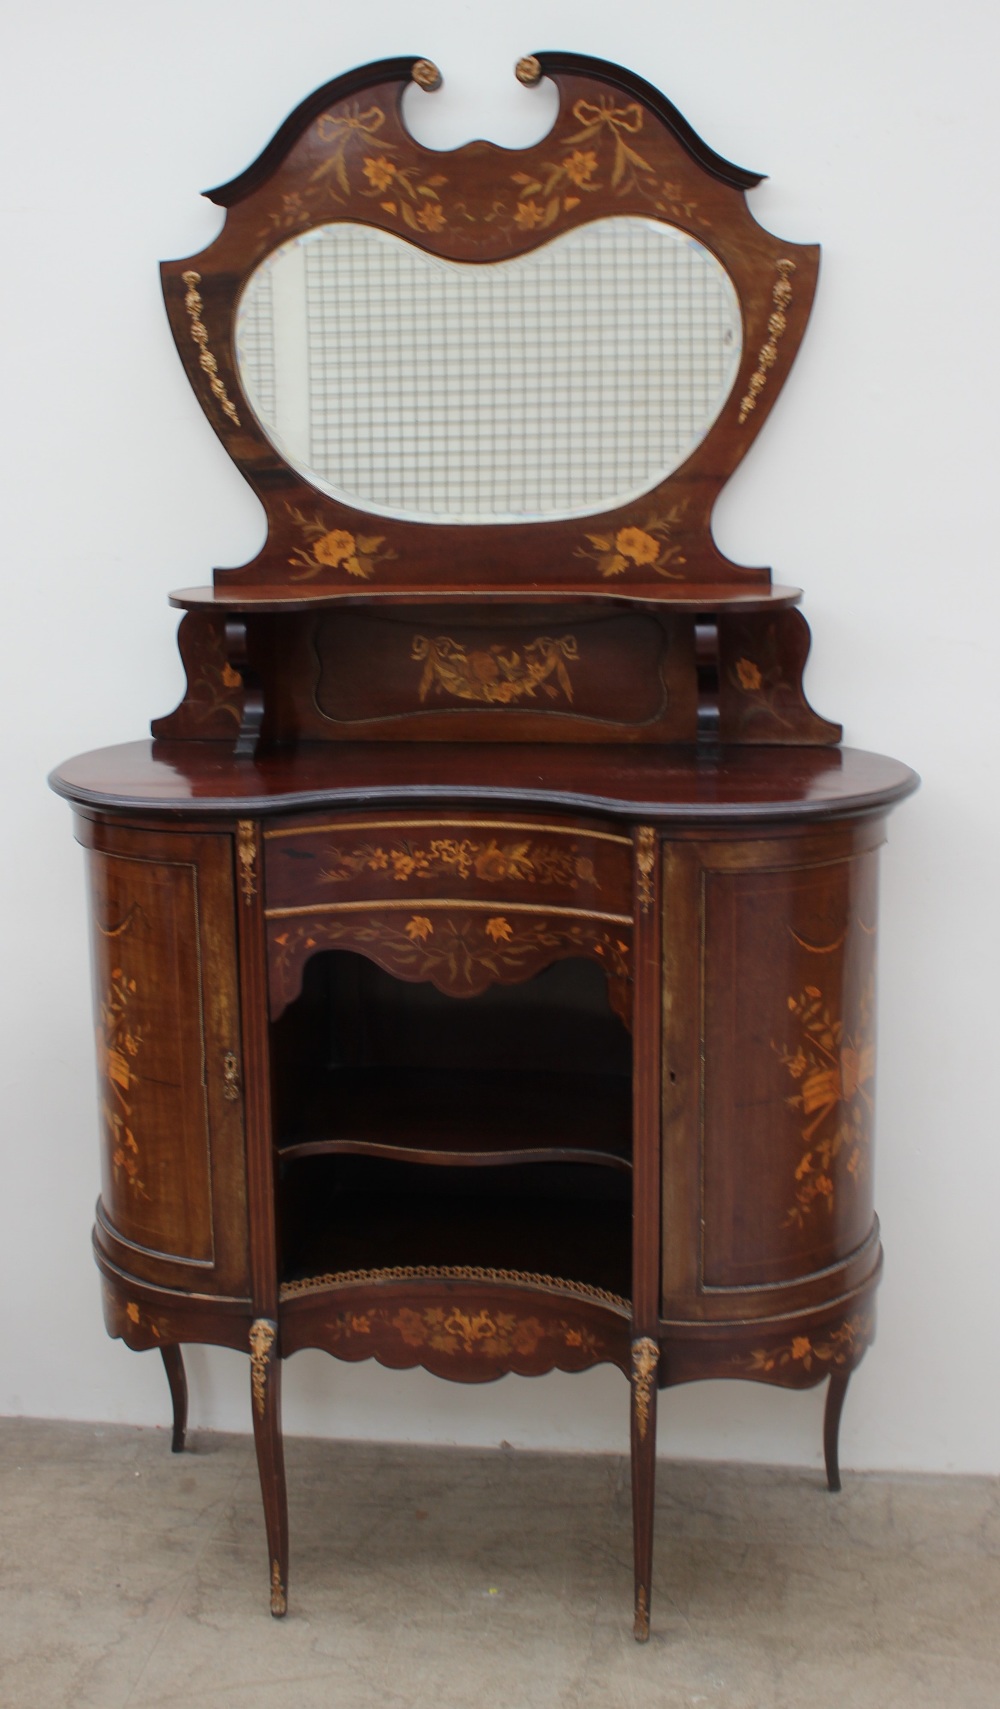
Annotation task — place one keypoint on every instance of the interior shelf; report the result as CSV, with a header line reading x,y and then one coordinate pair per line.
x,y
369,1065
472,1117
416,1130
230,595
347,1213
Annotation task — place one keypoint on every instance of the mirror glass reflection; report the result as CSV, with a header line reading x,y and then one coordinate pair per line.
x,y
558,384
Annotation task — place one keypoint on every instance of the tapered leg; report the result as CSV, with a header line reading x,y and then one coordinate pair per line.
x,y
173,1364
647,1119
835,1394
265,1388
645,1356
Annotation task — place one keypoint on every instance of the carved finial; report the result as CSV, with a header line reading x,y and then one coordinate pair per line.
x,y
528,71
426,73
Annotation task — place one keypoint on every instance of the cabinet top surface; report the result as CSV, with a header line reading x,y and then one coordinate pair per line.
x,y
712,786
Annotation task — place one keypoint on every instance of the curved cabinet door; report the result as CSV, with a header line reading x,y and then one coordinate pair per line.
x,y
770,1072
172,1210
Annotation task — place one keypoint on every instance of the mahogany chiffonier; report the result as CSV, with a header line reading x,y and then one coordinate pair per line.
x,y
484,949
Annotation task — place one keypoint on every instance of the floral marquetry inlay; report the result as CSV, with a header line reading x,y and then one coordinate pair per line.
x,y
490,1334
141,1320
461,951
839,1346
494,1333
497,675
404,860
763,683
119,1043
327,548
366,156
462,1321
603,151
501,1337
831,1063
650,547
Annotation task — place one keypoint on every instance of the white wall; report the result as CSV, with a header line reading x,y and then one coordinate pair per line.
x,y
873,486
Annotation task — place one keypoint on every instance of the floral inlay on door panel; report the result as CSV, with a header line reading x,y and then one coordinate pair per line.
x,y
119,1043
830,1060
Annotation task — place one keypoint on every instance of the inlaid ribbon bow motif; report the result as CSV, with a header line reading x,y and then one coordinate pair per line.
x,y
604,112
343,127
556,187
410,194
604,118
333,126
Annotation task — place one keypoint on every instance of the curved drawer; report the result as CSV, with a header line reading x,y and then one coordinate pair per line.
x,y
405,857
461,901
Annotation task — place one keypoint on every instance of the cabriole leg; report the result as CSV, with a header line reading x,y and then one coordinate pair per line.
x,y
645,1357
835,1394
173,1364
265,1389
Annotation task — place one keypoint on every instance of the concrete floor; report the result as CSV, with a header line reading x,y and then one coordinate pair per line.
x,y
449,1579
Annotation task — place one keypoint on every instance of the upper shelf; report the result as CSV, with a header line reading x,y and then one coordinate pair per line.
x,y
424,1116
707,597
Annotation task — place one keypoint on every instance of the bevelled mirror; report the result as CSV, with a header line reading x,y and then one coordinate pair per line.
x,y
558,383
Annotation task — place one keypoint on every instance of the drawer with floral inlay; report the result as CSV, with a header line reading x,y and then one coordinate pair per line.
x,y
408,857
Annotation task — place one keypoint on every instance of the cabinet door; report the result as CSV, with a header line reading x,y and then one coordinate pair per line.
x,y
173,1198
770,1059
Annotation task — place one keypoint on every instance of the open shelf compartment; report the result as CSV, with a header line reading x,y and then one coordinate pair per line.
x,y
371,1065
568,1222
422,1133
